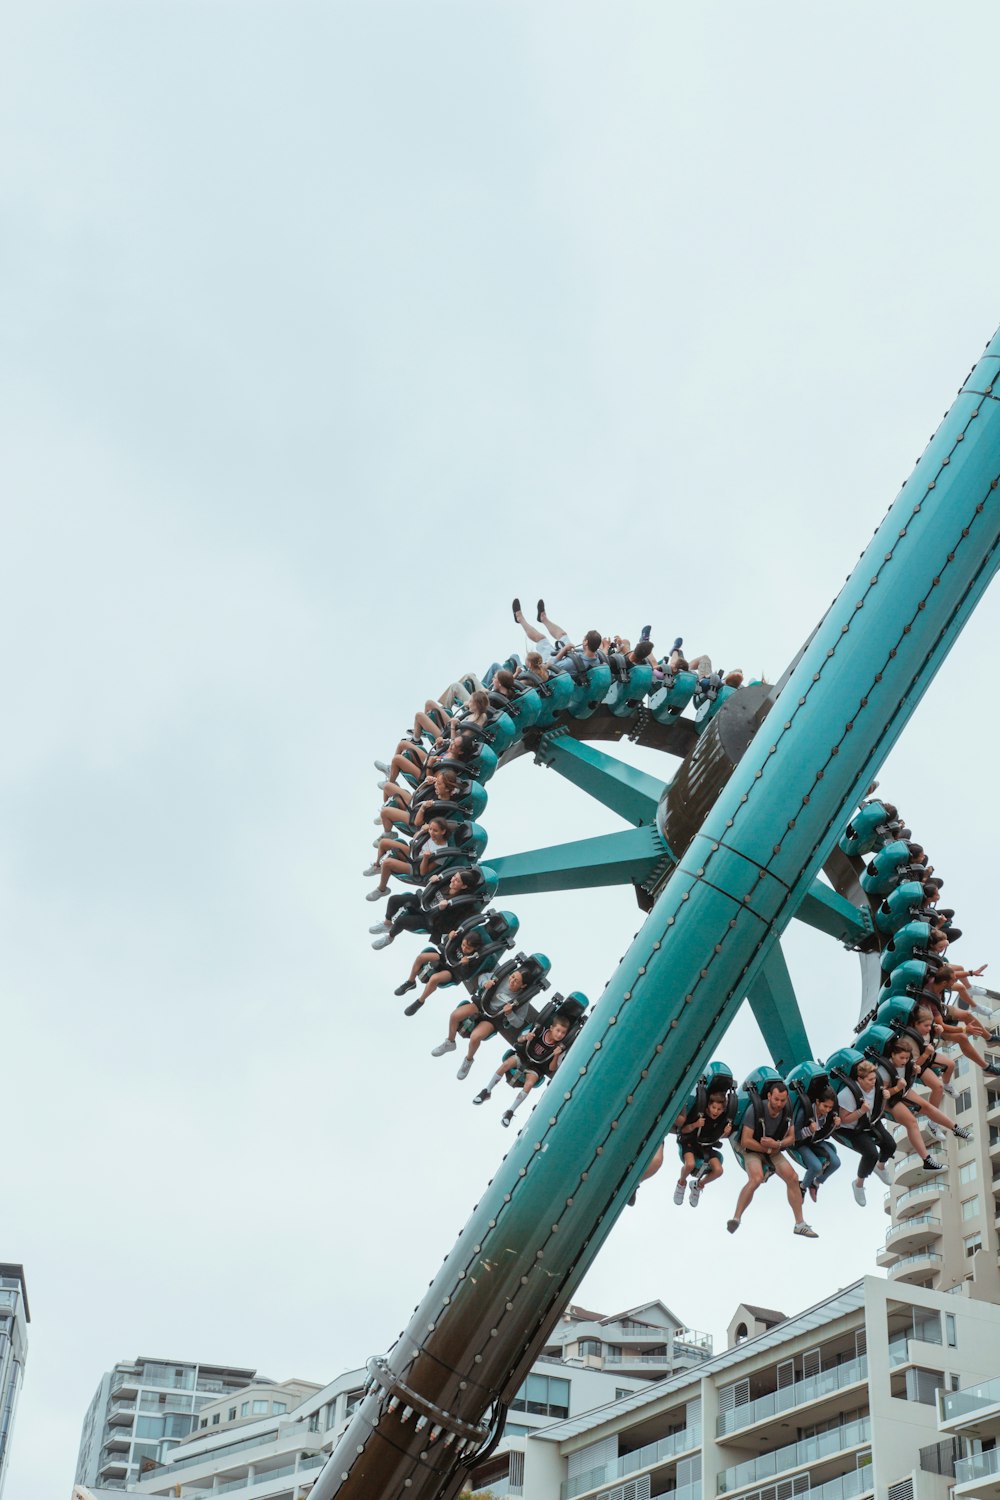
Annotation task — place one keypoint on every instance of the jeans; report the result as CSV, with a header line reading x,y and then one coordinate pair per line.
x,y
820,1162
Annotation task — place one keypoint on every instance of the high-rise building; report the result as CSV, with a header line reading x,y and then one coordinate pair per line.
x,y
14,1320
142,1409
645,1342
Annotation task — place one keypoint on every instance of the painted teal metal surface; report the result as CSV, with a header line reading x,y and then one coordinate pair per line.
x,y
557,1194
833,914
607,859
632,793
776,1011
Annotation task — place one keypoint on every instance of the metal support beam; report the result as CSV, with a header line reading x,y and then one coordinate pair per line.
x,y
776,1010
631,793
821,907
624,858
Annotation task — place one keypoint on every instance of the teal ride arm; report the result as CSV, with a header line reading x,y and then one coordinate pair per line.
x,y
628,857
632,793
556,1196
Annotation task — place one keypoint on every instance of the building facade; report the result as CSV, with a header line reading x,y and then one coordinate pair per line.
x,y
14,1319
279,1455
839,1402
141,1410
644,1343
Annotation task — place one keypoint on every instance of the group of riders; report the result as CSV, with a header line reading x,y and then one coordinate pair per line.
x,y
897,1069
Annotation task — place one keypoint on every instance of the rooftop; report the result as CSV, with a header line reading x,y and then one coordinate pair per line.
x,y
16,1272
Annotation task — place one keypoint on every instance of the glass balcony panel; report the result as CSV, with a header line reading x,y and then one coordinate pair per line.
x,y
823,1384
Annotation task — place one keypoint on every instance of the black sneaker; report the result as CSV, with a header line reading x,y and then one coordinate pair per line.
x,y
482,1096
930,1165
993,1068
963,1133
413,1007
516,607
402,989
506,1117
541,608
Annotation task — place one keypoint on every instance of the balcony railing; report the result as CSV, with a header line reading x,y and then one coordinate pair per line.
x,y
795,1455
810,1389
907,1262
631,1463
914,1194
907,1226
972,1398
978,1466
659,1361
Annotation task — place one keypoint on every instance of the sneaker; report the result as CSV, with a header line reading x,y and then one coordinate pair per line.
x,y
464,1068
482,1096
813,1192
413,1007
950,1090
380,765
442,1048
382,785
805,1231
679,1193
882,1173
858,1189
382,942
376,894
645,632
732,1225
694,1195
541,608
506,1117
993,1069
405,987
934,1129
631,1201
378,928
962,1131
930,1165
372,869
516,607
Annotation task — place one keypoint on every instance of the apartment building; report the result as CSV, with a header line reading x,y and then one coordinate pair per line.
x,y
838,1401
943,1230
14,1319
141,1410
644,1343
277,1456
969,1418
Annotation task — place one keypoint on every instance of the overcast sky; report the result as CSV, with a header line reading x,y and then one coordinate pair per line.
x,y
326,328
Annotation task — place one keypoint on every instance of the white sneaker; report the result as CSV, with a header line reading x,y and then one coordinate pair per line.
x,y
694,1195
383,942
382,785
442,1048
934,1129
464,1067
380,765
882,1173
858,1189
679,1194
376,894
805,1231
950,1090
372,869
379,928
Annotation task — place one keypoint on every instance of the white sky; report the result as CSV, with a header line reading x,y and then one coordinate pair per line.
x,y
325,329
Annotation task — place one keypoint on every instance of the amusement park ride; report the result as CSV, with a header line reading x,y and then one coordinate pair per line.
x,y
722,859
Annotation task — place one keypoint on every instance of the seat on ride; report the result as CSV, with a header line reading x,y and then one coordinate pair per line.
x,y
557,699
904,904
807,1080
500,730
842,1064
535,968
908,979
672,697
717,1079
591,691
479,767
498,930
890,867
875,1042
479,894
571,1008
873,824
911,941
630,685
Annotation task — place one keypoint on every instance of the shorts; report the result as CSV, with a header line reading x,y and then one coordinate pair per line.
x,y
702,1154
765,1161
547,649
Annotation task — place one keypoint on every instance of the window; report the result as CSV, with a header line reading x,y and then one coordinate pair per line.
x,y
216,1415
620,1392
244,1410
260,1408
950,1331
922,1385
278,1407
589,1346
231,1417
970,1208
956,1382
544,1396
203,1422
963,1102
969,1172
973,1242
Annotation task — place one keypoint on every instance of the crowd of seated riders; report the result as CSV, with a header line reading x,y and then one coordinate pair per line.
x,y
896,1072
